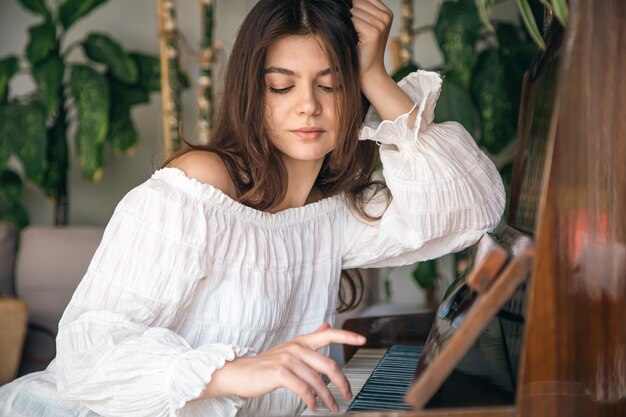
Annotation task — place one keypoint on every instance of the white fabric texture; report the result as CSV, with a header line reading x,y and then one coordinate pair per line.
x,y
186,278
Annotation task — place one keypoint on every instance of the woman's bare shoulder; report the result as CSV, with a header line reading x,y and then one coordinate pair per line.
x,y
206,167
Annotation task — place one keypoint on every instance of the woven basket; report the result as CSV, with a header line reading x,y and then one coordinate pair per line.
x,y
13,325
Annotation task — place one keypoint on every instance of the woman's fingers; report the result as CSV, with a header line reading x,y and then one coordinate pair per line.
x,y
368,18
298,369
372,22
296,384
373,5
373,13
299,364
312,378
328,367
323,338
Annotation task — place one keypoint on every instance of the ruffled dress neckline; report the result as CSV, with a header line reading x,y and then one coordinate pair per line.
x,y
216,197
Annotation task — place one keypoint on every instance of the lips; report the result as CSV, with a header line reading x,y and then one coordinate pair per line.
x,y
308,133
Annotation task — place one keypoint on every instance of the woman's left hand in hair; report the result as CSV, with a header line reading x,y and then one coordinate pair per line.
x,y
372,22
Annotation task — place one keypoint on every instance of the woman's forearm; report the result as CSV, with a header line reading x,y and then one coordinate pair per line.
x,y
387,97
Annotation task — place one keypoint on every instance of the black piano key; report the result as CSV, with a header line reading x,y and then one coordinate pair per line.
x,y
398,396
387,385
379,407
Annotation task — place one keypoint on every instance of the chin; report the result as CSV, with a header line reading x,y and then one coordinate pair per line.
x,y
307,155
306,151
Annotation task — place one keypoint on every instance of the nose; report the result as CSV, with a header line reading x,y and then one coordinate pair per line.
x,y
308,103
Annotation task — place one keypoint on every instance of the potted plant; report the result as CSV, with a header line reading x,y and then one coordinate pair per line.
x,y
96,96
484,63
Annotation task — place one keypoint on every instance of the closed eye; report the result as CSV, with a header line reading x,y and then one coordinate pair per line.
x,y
280,90
327,89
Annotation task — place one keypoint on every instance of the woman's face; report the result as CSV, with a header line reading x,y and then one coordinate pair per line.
x,y
300,102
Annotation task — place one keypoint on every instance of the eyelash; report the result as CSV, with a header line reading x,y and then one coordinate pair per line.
x,y
287,89
280,90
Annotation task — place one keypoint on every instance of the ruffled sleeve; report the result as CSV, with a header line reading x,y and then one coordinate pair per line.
x,y
116,352
445,192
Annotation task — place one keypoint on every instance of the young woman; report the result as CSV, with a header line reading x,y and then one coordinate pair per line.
x,y
214,287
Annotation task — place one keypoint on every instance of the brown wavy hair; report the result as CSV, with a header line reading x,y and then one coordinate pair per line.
x,y
240,135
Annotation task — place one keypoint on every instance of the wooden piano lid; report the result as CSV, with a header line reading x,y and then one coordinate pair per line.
x,y
574,357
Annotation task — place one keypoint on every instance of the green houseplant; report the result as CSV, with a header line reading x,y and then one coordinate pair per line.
x,y
484,63
527,10
96,96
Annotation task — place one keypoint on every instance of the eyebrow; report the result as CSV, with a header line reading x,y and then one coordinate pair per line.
x,y
285,71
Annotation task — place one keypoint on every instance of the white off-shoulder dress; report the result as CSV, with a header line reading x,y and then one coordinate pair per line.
x,y
186,278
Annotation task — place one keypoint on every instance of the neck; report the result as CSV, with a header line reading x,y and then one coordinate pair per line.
x,y
301,177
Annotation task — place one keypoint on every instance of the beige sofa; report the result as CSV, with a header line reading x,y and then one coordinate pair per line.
x,y
43,270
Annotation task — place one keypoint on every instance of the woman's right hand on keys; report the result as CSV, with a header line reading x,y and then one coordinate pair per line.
x,y
294,365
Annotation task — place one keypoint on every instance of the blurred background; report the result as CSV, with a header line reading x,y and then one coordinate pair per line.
x,y
134,25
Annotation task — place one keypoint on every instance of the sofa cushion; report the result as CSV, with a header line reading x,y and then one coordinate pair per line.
x,y
51,262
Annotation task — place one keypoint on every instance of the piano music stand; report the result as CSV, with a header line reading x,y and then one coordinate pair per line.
x,y
441,355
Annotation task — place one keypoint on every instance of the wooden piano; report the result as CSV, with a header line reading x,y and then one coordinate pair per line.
x,y
537,324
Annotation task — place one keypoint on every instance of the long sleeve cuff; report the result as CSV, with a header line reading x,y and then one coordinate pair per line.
x,y
423,88
156,374
190,373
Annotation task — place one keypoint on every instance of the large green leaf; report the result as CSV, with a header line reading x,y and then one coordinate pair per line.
x,y
126,95
149,67
37,6
8,68
32,149
455,104
72,10
91,94
516,54
529,21
11,187
484,9
560,10
122,136
509,39
426,273
15,214
497,116
101,48
149,71
11,210
57,155
7,145
457,30
42,42
91,158
24,126
49,77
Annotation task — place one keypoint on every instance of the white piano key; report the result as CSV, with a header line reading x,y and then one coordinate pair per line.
x,y
357,371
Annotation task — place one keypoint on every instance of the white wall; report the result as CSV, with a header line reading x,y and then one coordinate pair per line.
x,y
133,23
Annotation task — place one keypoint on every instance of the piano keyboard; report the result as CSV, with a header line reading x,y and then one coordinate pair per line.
x,y
379,379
